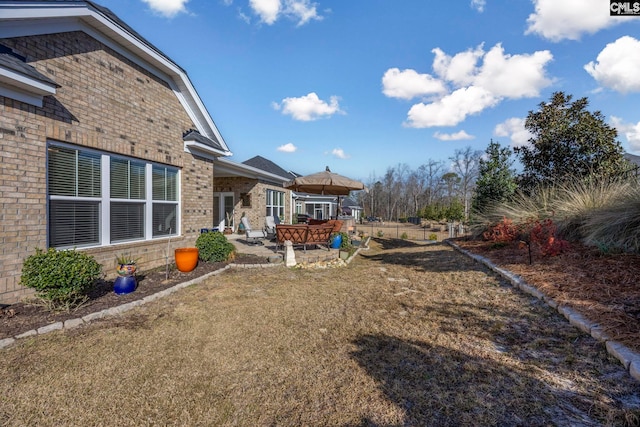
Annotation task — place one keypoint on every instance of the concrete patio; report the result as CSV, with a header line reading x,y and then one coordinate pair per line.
x,y
268,249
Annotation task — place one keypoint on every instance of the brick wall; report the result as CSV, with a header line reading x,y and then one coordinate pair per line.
x,y
104,102
257,191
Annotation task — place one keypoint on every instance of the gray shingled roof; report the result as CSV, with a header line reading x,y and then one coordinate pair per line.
x,y
267,165
13,62
194,135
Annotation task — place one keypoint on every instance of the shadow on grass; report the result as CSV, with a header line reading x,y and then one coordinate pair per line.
x,y
435,385
427,260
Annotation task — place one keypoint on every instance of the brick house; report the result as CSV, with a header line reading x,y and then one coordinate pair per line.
x,y
253,188
105,145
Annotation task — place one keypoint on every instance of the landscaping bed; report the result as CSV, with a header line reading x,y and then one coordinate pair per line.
x,y
25,316
603,287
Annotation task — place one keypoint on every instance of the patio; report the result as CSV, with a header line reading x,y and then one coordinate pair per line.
x,y
268,249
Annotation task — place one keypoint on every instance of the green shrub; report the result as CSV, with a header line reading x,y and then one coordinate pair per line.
x,y
60,278
380,233
404,236
214,247
433,236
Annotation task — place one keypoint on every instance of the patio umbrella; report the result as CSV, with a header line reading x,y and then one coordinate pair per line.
x,y
325,183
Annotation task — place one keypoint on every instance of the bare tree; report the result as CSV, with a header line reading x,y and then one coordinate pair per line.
x,y
465,163
433,171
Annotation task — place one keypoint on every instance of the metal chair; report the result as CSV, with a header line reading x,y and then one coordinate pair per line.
x,y
270,227
253,236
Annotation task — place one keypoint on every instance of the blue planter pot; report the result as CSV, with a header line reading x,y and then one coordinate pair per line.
x,y
124,285
336,242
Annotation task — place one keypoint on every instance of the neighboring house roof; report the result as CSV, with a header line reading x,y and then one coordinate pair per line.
x,y
26,18
348,202
226,168
268,166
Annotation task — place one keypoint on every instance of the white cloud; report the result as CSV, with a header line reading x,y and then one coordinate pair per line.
x,y
270,11
451,109
569,19
267,10
168,8
287,148
478,5
617,65
514,76
514,129
473,80
309,107
458,136
459,69
339,153
302,10
631,132
407,84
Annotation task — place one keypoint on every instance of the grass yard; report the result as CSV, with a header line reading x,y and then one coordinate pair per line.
x,y
405,335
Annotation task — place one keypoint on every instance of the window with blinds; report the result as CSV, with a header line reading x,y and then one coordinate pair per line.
x,y
165,200
137,200
127,216
74,185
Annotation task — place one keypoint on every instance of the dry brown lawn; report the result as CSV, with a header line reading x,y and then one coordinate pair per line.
x,y
410,335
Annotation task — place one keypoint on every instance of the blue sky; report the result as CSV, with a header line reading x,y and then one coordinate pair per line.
x,y
363,85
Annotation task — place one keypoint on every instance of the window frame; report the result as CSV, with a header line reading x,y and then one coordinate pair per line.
x,y
105,200
272,197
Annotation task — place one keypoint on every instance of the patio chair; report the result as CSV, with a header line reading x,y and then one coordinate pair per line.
x,y
270,227
253,236
220,227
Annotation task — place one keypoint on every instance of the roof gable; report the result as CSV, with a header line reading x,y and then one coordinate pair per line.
x,y
18,19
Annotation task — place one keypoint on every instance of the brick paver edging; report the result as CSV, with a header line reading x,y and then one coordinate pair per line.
x,y
629,358
74,323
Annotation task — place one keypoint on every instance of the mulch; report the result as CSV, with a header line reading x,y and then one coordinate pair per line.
x,y
21,317
604,287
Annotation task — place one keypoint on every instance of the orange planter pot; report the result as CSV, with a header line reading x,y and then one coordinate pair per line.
x,y
186,259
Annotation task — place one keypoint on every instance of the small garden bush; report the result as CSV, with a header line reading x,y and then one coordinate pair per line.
x,y
61,278
404,236
214,247
433,236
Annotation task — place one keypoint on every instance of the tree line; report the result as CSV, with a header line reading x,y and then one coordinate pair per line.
x,y
567,142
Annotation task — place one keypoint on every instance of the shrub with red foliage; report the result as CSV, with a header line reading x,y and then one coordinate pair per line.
x,y
544,234
503,232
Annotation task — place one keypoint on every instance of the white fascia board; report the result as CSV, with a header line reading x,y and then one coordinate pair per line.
x,y
202,150
81,17
26,83
20,95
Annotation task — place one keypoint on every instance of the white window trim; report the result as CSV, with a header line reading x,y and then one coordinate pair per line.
x,y
105,198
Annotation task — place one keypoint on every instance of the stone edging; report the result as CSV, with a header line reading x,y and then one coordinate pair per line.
x,y
74,323
629,358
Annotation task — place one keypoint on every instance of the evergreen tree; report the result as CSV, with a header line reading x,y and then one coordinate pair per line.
x,y
568,142
496,179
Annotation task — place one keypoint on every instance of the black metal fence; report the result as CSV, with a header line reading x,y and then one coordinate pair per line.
x,y
409,231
